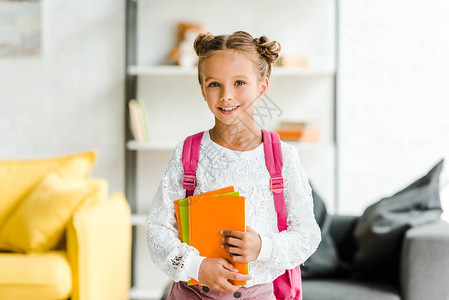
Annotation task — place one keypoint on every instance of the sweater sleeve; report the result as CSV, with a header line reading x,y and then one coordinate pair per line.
x,y
178,260
295,245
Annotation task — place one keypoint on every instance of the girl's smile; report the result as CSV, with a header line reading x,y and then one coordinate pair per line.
x,y
228,110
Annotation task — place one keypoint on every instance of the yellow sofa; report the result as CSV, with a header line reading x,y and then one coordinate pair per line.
x,y
60,235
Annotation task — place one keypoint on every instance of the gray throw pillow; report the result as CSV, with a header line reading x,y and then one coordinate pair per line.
x,y
381,228
324,262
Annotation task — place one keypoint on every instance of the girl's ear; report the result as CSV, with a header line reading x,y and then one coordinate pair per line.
x,y
263,87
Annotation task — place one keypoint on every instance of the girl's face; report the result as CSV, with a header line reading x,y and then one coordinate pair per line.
x,y
230,86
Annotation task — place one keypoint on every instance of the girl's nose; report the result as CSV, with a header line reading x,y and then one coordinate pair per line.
x,y
226,94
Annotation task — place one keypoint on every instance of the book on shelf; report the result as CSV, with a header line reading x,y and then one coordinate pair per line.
x,y
299,131
138,121
143,113
202,217
291,131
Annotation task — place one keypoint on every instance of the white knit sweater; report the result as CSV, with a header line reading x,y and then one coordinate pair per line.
x,y
246,171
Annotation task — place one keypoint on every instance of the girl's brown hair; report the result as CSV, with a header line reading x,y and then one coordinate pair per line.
x,y
261,51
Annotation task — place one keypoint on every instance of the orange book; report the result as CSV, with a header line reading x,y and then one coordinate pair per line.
x,y
208,216
290,135
181,210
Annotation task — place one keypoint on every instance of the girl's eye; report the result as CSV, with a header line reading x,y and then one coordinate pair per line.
x,y
239,82
213,84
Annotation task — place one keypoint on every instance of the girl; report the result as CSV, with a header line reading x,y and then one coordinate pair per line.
x,y
233,72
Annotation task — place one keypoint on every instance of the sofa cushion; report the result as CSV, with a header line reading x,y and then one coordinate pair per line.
x,y
324,261
36,276
97,263
19,177
341,230
39,222
380,230
342,289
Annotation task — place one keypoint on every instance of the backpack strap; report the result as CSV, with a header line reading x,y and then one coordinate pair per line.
x,y
190,158
273,160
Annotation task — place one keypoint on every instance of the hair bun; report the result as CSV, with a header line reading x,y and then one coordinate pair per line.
x,y
268,49
201,40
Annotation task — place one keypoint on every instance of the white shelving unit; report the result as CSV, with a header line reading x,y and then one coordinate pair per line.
x,y
138,219
149,80
139,146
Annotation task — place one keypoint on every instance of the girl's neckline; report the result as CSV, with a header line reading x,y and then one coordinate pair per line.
x,y
247,152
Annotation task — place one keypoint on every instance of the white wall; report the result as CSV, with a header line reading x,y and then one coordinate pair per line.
x,y
69,98
393,97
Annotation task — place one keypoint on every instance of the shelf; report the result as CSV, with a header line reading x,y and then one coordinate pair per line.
x,y
139,293
148,146
189,71
302,146
138,219
161,70
311,72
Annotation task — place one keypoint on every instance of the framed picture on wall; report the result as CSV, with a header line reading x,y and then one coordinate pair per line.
x,y
20,27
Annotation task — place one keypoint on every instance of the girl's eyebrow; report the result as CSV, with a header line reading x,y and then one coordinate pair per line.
x,y
240,76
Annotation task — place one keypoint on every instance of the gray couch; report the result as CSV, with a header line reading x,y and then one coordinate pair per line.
x,y
424,269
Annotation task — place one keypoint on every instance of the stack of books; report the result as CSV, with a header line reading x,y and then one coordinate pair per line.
x,y
138,121
291,131
299,132
201,218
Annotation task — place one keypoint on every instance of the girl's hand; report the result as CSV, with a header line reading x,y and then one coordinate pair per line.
x,y
242,246
215,273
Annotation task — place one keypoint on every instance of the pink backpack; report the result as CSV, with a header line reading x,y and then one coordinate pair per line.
x,y
288,286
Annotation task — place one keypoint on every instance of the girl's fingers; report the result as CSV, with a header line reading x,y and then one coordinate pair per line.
x,y
228,266
239,277
233,250
233,233
239,258
232,241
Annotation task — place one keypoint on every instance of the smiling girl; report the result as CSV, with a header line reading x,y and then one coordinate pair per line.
x,y
233,73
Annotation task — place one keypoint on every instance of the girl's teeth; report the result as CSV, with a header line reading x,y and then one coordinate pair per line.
x,y
228,109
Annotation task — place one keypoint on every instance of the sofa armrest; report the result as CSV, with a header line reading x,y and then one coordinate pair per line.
x,y
99,250
425,262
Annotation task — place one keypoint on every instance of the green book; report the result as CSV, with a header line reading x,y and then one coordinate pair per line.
x,y
143,113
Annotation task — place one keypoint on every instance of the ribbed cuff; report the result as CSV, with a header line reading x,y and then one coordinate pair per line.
x,y
193,267
266,248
